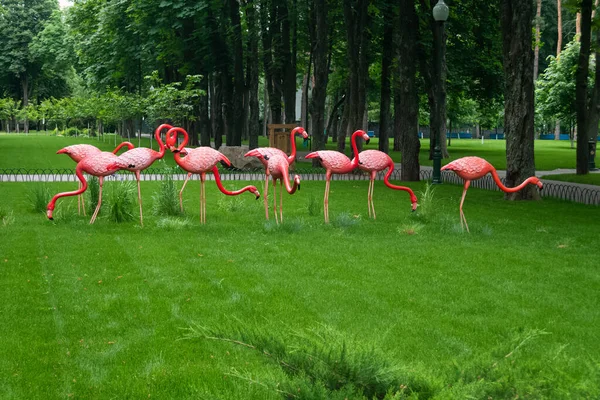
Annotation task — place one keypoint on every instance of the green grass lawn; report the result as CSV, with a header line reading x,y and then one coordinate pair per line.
x,y
105,311
38,151
590,179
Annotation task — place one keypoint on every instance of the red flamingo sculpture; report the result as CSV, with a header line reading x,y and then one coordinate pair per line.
x,y
374,161
337,163
139,159
267,152
78,152
200,161
278,169
96,165
472,168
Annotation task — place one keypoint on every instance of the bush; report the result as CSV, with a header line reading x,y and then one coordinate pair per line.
x,y
39,197
72,131
166,201
121,200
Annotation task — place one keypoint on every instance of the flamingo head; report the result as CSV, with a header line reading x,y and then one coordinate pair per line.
x,y
255,192
413,200
297,181
537,182
171,141
63,151
366,138
300,130
49,211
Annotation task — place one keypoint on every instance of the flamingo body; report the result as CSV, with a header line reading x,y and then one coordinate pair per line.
x,y
266,153
374,161
97,165
337,163
278,169
472,168
200,161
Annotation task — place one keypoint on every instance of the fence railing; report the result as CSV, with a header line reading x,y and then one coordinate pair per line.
x,y
561,190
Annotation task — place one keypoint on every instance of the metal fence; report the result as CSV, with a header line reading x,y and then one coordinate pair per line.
x,y
561,190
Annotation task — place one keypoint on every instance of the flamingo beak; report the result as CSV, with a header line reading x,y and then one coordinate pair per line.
x,y
414,206
367,141
540,185
49,215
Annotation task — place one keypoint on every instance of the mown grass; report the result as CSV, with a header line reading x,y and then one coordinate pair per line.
x,y
38,151
589,179
116,310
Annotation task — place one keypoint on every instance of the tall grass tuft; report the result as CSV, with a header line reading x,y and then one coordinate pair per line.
x,y
93,191
39,197
230,203
314,206
121,200
6,217
427,209
345,220
166,201
320,364
173,223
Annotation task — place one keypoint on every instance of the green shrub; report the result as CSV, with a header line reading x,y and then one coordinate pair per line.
x,y
314,206
72,131
427,208
93,192
39,197
166,201
121,201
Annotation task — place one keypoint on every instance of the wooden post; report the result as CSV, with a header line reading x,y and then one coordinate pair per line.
x,y
279,136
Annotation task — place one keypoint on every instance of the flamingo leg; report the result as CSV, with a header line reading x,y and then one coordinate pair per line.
x,y
326,201
275,200
281,200
462,214
82,202
202,198
79,197
265,201
137,177
181,191
371,190
100,183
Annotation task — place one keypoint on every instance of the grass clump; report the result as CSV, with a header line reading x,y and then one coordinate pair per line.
x,y
166,201
39,197
427,206
6,217
173,223
319,364
314,206
345,220
230,203
122,199
93,192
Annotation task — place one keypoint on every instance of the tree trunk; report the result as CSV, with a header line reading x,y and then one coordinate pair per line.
x,y
25,87
237,110
581,88
536,57
252,75
288,56
519,96
406,107
204,117
558,50
271,38
386,61
356,18
321,71
216,110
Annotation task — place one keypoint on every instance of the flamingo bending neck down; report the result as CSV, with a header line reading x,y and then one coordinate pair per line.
x,y
472,168
374,161
200,161
139,159
337,163
78,152
278,169
96,165
265,153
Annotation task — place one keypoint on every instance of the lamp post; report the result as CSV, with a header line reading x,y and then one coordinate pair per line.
x,y
440,15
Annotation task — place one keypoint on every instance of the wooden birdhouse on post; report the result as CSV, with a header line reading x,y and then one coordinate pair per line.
x,y
279,136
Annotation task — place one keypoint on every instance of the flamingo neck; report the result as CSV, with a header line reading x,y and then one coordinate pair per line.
x,y
215,172
509,189
161,148
286,180
386,181
181,146
52,203
354,161
292,156
121,145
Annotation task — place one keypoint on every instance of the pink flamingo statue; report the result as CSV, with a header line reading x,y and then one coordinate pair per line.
x,y
78,152
267,152
337,163
200,161
278,169
472,168
140,158
96,165
374,161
